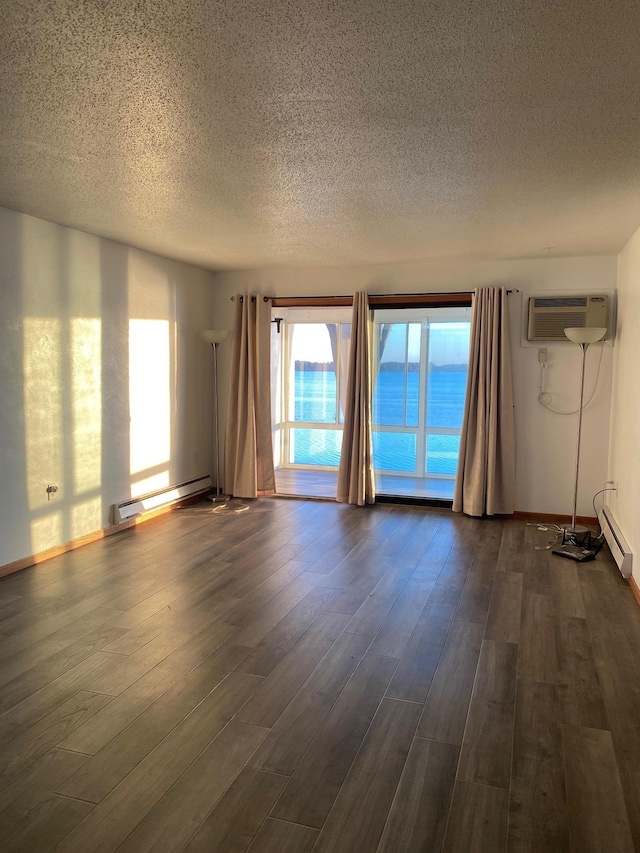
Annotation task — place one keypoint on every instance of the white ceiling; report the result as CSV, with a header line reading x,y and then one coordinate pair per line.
x,y
274,132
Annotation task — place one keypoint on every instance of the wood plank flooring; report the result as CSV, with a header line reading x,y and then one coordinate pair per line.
x,y
308,677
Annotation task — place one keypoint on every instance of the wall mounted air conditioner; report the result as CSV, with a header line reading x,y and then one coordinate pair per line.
x,y
549,316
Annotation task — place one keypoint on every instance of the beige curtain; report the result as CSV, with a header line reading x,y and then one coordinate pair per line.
x,y
355,476
485,482
248,449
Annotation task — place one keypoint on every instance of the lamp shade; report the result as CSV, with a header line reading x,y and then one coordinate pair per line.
x,y
214,336
585,334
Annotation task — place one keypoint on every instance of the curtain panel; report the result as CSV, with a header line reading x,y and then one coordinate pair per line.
x,y
356,484
485,481
248,466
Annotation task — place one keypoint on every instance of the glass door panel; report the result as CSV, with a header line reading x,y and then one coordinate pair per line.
x,y
421,365
441,453
313,373
315,348
315,446
394,451
448,368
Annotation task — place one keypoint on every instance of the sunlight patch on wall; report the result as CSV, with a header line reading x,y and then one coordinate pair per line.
x,y
86,517
149,394
86,396
150,484
42,408
46,532
151,370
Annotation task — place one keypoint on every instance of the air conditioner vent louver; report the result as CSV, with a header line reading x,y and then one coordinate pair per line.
x,y
561,302
549,316
549,326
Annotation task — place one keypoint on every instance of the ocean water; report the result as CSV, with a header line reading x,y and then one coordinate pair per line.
x,y
315,401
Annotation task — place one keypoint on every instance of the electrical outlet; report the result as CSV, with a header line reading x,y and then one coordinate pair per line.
x,y
611,484
52,489
542,355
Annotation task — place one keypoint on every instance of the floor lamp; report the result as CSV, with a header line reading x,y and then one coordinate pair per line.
x,y
583,336
215,338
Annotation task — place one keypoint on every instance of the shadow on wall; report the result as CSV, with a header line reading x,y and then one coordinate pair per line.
x,y
88,366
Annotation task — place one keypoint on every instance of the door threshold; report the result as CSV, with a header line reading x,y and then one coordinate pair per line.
x,y
407,500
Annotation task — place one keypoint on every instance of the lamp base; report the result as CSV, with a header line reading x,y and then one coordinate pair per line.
x,y
218,499
576,535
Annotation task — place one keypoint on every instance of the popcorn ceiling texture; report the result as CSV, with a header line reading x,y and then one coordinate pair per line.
x,y
242,134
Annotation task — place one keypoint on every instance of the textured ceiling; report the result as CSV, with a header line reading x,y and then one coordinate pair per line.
x,y
273,132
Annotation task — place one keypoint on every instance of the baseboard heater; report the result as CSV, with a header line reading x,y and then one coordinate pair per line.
x,y
616,542
163,497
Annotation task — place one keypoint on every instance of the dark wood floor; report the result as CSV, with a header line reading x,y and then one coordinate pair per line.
x,y
310,676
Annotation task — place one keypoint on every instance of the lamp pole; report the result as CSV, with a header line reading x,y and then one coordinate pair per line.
x,y
583,336
215,338
215,417
583,352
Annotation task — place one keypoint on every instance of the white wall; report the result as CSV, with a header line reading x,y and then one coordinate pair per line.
x,y
625,407
545,442
105,385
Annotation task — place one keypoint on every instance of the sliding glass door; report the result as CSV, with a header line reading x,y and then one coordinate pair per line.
x,y
421,366
420,371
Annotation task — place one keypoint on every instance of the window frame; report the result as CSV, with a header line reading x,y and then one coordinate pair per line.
x,y
422,430
291,311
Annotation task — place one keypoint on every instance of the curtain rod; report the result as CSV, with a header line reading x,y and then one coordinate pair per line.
x,y
348,300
